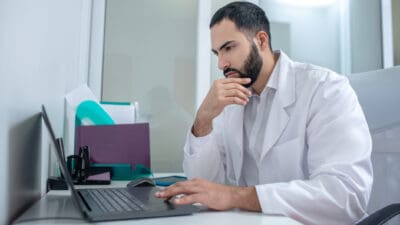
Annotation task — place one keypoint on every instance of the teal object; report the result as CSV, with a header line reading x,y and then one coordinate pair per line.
x,y
114,103
91,113
141,171
123,171
168,180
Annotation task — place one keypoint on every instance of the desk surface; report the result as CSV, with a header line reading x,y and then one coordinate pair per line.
x,y
56,203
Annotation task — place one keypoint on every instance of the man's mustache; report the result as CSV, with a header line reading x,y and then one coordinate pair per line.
x,y
227,70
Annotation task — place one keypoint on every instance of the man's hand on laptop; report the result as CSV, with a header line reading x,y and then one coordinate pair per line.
x,y
215,196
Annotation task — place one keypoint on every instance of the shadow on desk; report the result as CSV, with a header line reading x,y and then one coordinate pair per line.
x,y
61,210
59,205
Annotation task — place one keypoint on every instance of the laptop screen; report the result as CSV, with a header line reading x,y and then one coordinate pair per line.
x,y
63,167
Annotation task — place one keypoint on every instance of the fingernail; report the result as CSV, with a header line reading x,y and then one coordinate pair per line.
x,y
177,200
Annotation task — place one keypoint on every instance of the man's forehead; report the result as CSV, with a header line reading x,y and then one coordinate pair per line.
x,y
224,31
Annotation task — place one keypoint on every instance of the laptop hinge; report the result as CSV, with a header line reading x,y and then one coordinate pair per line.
x,y
84,201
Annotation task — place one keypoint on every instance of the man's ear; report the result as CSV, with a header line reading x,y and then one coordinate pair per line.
x,y
262,40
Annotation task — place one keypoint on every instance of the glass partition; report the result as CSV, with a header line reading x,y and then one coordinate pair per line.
x,y
149,57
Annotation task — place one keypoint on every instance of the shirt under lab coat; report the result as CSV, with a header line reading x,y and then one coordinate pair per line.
x,y
315,160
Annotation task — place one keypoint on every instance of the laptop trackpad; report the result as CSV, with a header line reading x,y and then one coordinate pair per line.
x,y
146,196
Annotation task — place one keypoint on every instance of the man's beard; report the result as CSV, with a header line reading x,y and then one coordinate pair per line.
x,y
252,66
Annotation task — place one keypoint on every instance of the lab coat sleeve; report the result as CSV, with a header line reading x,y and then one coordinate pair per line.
x,y
338,160
204,157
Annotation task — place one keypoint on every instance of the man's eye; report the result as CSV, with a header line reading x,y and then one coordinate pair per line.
x,y
228,48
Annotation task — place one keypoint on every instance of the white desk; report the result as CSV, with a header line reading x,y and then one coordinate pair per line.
x,y
51,203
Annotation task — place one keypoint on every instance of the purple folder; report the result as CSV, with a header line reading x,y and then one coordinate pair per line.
x,y
119,143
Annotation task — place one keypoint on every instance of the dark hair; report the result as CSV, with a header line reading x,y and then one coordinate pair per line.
x,y
248,18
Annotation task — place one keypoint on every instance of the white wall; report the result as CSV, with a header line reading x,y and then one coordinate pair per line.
x,y
40,60
314,31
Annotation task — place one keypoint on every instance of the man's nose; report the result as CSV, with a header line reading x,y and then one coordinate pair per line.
x,y
222,63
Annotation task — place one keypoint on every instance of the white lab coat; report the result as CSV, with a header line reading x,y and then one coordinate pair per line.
x,y
315,165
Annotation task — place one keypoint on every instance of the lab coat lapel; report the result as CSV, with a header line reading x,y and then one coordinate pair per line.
x,y
285,96
235,138
277,121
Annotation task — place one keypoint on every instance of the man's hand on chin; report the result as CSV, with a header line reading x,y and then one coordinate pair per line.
x,y
215,196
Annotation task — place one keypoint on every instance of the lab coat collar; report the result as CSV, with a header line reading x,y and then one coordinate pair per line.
x,y
284,81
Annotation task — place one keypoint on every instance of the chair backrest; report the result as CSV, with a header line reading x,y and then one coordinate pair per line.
x,y
379,95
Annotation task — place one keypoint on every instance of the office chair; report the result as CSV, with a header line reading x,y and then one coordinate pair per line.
x,y
379,97
382,215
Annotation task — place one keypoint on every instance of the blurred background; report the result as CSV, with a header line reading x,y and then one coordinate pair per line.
x,y
157,52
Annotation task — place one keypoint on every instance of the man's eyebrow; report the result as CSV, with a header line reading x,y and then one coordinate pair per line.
x,y
222,46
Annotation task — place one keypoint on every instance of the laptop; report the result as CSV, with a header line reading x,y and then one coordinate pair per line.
x,y
105,204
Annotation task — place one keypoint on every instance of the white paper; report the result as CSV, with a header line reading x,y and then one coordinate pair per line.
x,y
120,113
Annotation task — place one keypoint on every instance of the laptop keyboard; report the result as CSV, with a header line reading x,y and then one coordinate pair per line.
x,y
116,200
